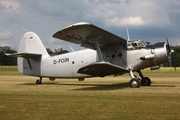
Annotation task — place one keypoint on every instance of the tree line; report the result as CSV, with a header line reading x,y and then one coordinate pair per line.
x,y
4,60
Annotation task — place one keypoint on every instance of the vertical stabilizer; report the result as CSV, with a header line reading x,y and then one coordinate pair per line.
x,y
31,43
31,51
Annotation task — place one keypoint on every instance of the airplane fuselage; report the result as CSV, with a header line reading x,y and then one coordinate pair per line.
x,y
67,65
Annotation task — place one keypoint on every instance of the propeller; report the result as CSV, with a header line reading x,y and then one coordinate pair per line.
x,y
170,54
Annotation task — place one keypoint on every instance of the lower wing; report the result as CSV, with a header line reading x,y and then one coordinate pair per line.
x,y
102,69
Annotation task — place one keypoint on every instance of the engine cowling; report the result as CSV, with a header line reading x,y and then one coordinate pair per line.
x,y
161,53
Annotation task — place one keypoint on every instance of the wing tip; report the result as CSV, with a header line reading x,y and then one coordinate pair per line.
x,y
81,23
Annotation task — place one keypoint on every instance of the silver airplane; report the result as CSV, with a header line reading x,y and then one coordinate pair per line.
x,y
105,54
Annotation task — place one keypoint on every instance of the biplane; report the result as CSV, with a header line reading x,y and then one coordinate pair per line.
x,y
105,54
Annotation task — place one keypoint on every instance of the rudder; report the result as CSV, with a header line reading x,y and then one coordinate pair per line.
x,y
31,43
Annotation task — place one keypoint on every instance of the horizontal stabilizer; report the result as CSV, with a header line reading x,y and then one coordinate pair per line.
x,y
102,69
23,55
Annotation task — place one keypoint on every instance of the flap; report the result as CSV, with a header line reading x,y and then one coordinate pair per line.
x,y
83,33
102,69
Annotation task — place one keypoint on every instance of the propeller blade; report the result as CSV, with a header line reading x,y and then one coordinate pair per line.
x,y
170,54
168,46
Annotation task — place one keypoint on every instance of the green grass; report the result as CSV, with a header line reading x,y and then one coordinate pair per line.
x,y
108,98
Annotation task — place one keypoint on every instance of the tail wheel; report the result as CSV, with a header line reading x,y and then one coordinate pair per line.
x,y
135,83
38,82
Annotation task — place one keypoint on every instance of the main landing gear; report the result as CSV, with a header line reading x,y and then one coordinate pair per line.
x,y
39,81
137,82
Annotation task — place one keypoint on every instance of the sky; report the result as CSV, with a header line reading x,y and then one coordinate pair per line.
x,y
149,20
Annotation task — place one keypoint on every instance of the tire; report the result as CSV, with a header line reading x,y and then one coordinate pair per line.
x,y
134,83
146,81
38,82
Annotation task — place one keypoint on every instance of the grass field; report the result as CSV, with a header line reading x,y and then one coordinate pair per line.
x,y
108,98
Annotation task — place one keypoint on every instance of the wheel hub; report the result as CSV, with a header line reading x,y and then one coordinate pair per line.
x,y
134,84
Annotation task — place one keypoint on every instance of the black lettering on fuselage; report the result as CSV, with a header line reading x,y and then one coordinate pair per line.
x,y
62,60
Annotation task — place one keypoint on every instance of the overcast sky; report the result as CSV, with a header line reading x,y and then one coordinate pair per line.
x,y
149,20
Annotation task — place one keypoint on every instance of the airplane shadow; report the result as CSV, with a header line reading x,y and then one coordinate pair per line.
x,y
88,87
96,87
163,86
105,87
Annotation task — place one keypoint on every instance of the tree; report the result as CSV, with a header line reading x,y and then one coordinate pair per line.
x,y
5,60
56,51
49,51
60,51
176,55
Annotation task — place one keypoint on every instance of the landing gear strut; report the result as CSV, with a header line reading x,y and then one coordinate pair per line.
x,y
137,82
145,81
39,81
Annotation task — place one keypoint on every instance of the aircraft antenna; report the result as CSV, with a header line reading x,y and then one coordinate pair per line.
x,y
127,34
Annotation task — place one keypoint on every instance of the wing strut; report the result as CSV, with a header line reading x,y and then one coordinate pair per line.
x,y
98,50
95,39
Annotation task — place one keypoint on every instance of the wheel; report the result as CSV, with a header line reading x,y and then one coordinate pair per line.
x,y
135,83
38,82
146,81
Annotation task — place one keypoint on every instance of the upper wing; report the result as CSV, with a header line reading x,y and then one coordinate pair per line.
x,y
102,69
85,34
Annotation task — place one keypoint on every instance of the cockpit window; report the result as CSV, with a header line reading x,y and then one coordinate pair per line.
x,y
137,44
